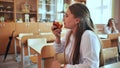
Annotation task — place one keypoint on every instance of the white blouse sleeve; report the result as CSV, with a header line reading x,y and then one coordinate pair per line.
x,y
59,48
107,30
89,51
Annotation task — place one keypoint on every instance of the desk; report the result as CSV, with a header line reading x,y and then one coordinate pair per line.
x,y
114,65
21,43
22,50
103,36
22,40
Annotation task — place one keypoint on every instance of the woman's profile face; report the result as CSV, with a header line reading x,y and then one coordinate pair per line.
x,y
111,23
69,20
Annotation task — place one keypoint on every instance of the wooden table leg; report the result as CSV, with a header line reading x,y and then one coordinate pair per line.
x,y
39,61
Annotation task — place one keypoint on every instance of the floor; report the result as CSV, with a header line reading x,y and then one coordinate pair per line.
x,y
11,63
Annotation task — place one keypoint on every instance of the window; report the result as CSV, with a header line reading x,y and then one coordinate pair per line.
x,y
100,10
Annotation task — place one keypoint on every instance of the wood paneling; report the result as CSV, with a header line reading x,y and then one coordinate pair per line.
x,y
7,28
6,31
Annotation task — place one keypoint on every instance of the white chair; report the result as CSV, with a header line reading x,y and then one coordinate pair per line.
x,y
35,44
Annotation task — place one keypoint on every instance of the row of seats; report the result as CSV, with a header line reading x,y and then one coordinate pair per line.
x,y
108,53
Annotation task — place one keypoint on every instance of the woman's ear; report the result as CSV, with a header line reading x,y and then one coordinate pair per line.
x,y
77,20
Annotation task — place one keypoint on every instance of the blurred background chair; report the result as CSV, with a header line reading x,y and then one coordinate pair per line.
x,y
110,55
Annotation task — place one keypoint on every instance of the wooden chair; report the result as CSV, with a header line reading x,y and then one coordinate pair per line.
x,y
101,59
106,43
114,39
47,55
110,55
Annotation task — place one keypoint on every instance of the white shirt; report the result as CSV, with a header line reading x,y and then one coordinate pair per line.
x,y
89,50
108,30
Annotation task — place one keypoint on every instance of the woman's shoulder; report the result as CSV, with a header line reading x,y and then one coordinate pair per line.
x,y
89,33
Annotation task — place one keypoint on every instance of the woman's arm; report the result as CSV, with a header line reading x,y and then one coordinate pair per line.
x,y
107,30
114,28
59,48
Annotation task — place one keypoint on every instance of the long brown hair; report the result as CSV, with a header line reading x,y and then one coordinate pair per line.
x,y
80,11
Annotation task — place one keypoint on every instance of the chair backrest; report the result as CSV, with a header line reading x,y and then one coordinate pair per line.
x,y
48,51
110,53
47,54
106,43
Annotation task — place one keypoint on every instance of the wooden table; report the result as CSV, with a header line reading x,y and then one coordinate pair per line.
x,y
114,65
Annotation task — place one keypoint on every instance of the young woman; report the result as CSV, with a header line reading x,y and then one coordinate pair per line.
x,y
110,27
81,45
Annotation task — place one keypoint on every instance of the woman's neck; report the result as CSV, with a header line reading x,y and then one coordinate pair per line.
x,y
74,30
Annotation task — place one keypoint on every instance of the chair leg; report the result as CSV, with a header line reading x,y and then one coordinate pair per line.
x,y
42,63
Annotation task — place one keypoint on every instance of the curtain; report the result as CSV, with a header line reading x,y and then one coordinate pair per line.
x,y
116,13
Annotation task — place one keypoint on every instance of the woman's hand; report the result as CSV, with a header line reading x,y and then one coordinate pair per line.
x,y
55,64
56,31
113,26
